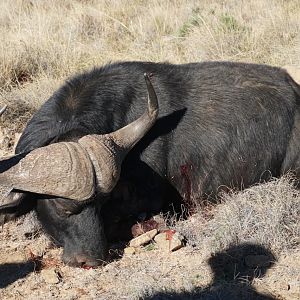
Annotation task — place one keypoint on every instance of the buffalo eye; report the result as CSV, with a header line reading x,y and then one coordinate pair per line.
x,y
66,208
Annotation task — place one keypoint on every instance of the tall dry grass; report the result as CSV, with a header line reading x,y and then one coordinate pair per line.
x,y
56,38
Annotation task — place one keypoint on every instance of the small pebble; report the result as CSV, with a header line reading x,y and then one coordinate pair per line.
x,y
129,251
50,276
169,241
143,239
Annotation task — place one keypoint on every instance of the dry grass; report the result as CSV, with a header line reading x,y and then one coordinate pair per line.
x,y
53,39
267,214
44,42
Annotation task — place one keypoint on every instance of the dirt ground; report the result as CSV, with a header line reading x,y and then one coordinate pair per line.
x,y
30,267
184,274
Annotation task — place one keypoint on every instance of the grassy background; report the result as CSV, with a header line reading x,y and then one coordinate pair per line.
x,y
45,42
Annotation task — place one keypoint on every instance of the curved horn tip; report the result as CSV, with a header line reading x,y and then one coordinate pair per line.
x,y
152,97
3,109
148,77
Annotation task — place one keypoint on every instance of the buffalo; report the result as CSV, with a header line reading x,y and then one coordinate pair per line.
x,y
221,126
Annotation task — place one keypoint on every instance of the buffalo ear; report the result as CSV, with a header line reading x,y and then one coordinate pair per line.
x,y
17,205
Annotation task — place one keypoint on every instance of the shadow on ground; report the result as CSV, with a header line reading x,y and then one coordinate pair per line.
x,y
234,269
11,272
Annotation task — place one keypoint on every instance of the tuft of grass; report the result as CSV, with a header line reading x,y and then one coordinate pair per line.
x,y
230,24
55,39
187,26
267,214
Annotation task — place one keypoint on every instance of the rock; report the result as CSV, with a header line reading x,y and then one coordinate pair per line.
x,y
260,261
50,276
129,251
169,241
143,239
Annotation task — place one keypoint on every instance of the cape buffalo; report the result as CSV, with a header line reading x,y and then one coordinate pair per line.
x,y
221,125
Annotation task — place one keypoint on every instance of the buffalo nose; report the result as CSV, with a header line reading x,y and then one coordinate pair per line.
x,y
81,260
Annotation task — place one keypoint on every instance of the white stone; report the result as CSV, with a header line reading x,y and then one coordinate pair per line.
x,y
169,241
50,276
129,251
143,239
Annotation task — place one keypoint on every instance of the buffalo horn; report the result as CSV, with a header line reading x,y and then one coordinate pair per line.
x,y
129,135
74,170
62,169
108,151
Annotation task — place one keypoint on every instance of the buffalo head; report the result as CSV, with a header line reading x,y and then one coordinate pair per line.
x,y
70,181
